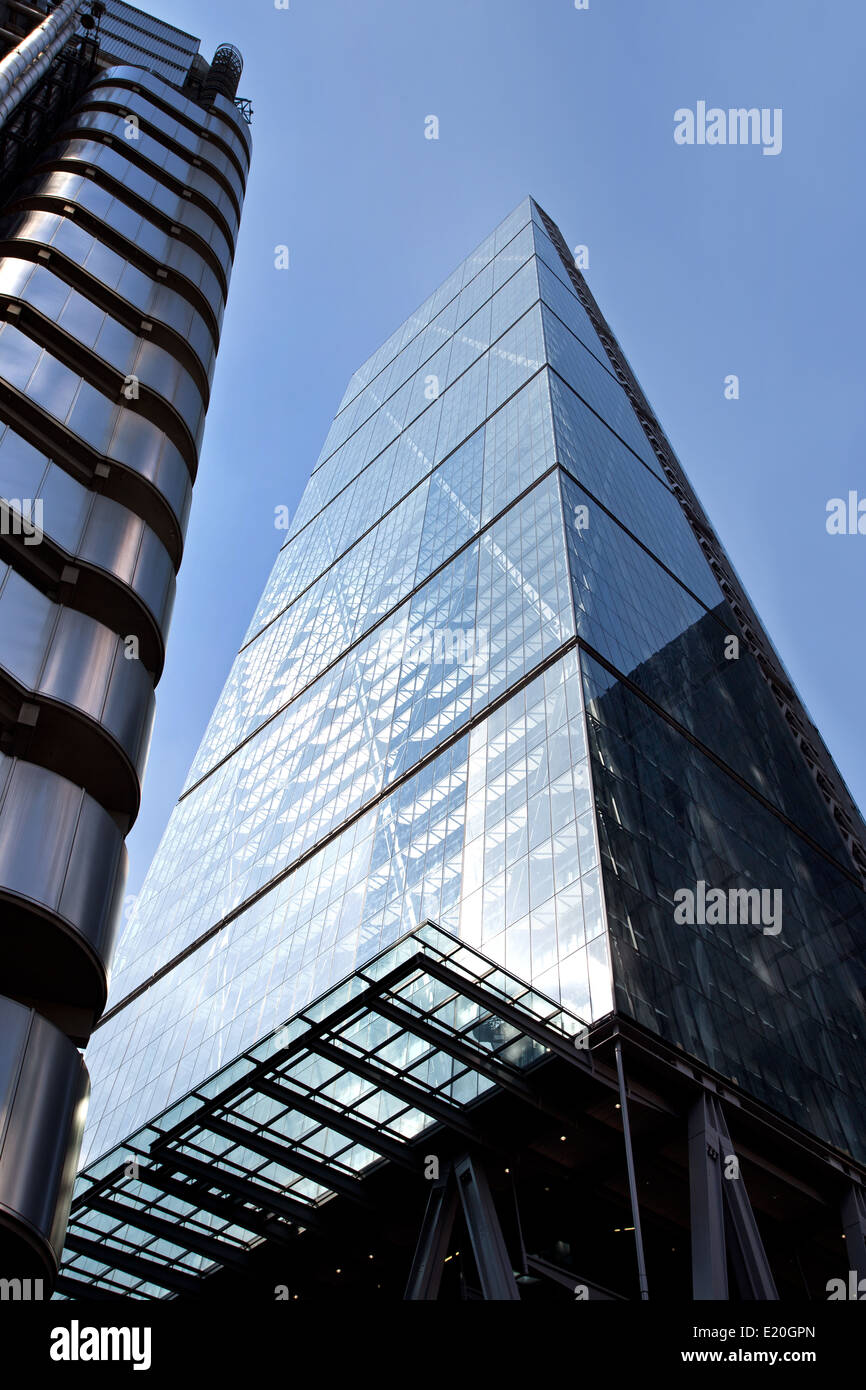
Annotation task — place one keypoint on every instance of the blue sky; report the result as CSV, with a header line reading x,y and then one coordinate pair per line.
x,y
705,260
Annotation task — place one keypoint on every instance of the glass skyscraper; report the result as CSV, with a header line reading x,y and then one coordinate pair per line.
x,y
503,679
123,164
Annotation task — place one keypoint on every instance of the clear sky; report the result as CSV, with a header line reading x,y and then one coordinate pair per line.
x,y
707,261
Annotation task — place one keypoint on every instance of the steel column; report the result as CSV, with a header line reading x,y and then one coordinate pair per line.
x,y
488,1243
632,1180
721,1210
706,1203
467,1181
425,1276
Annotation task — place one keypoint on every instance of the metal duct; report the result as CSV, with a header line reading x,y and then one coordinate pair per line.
x,y
21,69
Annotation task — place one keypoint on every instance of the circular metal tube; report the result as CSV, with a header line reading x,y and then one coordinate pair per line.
x,y
21,69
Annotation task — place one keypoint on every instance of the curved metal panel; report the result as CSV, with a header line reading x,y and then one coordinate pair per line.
x,y
63,868
219,163
200,228
88,527
85,667
224,112
168,166
123,545
95,331
109,429
72,190
142,447
153,300
223,122
44,1090
56,653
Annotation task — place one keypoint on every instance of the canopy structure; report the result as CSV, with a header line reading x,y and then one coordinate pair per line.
x,y
410,1041
433,1126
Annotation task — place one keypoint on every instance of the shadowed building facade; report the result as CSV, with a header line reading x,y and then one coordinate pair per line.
x,y
502,681
123,164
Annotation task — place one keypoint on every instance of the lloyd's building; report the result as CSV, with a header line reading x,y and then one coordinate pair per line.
x,y
506,941
123,162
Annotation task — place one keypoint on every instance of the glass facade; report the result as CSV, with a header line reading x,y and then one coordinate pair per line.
x,y
489,683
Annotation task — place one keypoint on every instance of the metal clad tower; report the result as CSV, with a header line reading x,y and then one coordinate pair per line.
x,y
122,187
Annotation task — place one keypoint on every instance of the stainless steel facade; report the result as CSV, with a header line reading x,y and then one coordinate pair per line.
x,y
115,258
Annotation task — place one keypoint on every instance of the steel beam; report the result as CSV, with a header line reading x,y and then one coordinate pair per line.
x,y
475,1058
488,1243
77,1288
409,1091
287,1157
425,1275
632,1179
339,1121
226,1208
266,1200
304,1042
707,1210
141,1268
722,1220
524,1022
596,1292
175,1232
748,1256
